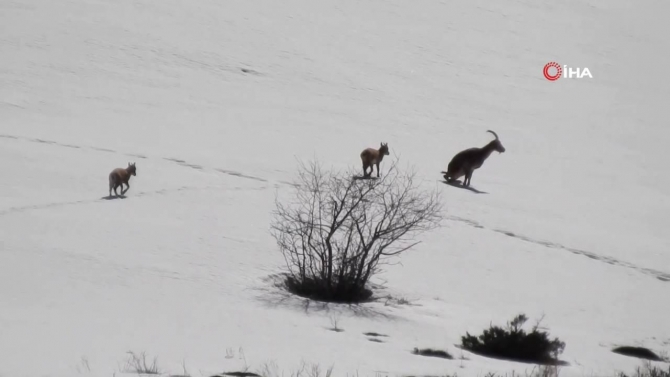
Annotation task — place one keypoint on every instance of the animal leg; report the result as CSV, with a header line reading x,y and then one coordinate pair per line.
x,y
127,187
466,181
377,164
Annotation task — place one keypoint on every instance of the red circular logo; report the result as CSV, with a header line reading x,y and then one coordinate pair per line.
x,y
557,75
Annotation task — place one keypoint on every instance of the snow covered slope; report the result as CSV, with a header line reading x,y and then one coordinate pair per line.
x,y
214,101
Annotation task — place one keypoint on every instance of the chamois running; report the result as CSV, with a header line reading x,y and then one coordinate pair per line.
x,y
372,157
466,162
119,177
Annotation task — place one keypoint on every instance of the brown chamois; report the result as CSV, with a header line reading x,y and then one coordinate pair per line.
x,y
372,157
466,162
119,176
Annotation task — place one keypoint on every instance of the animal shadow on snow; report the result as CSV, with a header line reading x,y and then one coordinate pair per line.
x,y
459,184
364,178
113,197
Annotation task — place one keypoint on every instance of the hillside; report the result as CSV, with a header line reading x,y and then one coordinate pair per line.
x,y
215,100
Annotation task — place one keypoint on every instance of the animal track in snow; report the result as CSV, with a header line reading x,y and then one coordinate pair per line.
x,y
241,175
177,161
104,198
660,275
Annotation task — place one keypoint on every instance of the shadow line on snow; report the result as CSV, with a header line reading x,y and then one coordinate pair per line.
x,y
109,198
660,275
459,185
113,197
171,159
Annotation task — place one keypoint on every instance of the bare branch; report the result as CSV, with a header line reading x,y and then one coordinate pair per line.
x,y
336,230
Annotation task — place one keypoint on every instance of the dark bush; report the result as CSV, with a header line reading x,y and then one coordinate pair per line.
x,y
514,343
639,352
318,289
432,353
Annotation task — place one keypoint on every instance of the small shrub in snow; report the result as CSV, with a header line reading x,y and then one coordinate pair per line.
x,y
338,231
648,371
137,363
184,373
432,353
334,322
271,369
639,352
514,343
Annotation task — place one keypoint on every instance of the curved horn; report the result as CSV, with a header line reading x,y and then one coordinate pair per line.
x,y
494,134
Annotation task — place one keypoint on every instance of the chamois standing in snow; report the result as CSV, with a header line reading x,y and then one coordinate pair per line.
x,y
466,162
119,177
372,157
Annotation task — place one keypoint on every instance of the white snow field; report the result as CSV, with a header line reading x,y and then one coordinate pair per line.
x,y
216,99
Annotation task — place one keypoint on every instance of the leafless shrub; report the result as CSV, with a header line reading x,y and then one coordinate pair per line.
x,y
648,370
184,373
271,369
138,364
334,322
337,231
544,371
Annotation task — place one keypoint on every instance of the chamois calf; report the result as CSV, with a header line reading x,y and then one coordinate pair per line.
x,y
372,157
119,176
466,162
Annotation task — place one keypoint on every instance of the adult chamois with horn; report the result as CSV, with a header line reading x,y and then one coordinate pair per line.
x,y
464,163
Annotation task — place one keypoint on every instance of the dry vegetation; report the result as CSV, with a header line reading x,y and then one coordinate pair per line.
x,y
337,231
